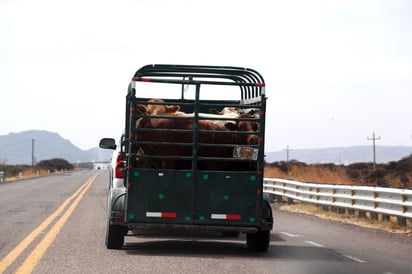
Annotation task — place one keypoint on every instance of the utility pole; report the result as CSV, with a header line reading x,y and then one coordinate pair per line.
x,y
287,154
374,148
32,152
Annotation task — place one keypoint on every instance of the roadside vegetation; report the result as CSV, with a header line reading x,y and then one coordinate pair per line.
x,y
41,168
396,174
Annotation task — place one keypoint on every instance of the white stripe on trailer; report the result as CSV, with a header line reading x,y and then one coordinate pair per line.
x,y
154,214
219,216
226,216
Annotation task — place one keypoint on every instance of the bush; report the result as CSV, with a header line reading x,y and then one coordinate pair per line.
x,y
54,164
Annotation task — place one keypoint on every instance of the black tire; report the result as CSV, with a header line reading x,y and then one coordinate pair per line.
x,y
114,236
258,241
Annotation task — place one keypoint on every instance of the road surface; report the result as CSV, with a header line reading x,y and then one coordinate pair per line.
x,y
56,224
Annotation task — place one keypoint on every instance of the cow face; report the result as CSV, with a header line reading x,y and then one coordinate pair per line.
x,y
152,109
245,126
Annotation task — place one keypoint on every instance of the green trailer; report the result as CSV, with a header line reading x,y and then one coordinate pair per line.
x,y
194,157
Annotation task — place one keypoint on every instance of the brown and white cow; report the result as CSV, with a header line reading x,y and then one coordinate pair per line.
x,y
173,138
157,109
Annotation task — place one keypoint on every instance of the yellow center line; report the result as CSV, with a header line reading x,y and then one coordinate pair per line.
x,y
35,256
12,256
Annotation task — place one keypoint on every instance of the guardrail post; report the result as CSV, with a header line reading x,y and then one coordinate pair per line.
x,y
386,217
278,198
401,221
374,216
341,210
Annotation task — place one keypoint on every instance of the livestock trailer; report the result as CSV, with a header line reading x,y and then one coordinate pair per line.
x,y
194,155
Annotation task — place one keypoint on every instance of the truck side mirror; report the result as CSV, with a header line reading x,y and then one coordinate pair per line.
x,y
107,143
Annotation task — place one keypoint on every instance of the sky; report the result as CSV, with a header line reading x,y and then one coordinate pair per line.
x,y
335,71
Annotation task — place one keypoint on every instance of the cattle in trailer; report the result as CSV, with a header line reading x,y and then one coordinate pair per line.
x,y
167,140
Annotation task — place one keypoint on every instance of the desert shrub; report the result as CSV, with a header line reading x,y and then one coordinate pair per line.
x,y
376,177
54,164
283,166
404,181
358,171
404,165
297,163
353,173
329,166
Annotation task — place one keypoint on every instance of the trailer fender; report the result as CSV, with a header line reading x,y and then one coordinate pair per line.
x,y
267,215
116,205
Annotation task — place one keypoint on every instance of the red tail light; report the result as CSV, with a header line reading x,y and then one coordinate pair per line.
x,y
119,167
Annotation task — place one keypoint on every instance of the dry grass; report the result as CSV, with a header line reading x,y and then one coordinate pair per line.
x,y
29,173
390,225
311,173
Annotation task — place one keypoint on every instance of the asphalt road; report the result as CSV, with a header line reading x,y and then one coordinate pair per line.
x,y
56,224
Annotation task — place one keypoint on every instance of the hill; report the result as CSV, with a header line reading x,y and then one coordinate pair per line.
x,y
342,155
16,148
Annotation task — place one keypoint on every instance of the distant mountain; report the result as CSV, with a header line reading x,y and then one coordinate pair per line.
x,y
342,155
16,148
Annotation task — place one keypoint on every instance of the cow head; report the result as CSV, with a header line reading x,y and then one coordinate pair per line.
x,y
245,126
152,109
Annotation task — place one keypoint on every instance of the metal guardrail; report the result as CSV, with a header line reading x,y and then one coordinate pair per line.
x,y
387,201
2,177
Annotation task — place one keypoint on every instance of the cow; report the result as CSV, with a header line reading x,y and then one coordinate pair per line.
x,y
173,138
230,112
245,126
158,109
163,109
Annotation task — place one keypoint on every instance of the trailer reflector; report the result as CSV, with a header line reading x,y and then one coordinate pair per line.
x,y
226,216
161,214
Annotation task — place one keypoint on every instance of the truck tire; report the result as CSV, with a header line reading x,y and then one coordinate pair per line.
x,y
258,241
114,236
115,233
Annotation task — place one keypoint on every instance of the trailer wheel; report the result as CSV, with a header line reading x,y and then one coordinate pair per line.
x,y
258,241
114,236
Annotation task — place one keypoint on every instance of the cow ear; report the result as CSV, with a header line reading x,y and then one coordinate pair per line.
x,y
231,126
213,111
141,108
172,109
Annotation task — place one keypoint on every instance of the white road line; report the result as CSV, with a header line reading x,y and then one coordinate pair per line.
x,y
354,259
314,244
291,235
